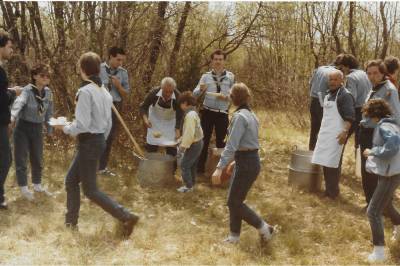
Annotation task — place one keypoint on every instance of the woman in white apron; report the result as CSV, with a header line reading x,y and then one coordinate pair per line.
x,y
162,117
338,116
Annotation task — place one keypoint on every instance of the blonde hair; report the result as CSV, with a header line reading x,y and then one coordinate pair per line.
x,y
240,94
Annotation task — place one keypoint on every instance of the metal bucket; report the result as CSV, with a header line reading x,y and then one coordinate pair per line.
x,y
157,170
302,173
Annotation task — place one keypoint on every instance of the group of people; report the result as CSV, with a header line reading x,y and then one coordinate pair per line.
x,y
172,119
345,100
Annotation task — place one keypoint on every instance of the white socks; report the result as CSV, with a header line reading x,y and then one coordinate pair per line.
x,y
378,255
38,188
232,239
26,193
266,231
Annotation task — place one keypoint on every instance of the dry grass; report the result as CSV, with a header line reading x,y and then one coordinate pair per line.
x,y
187,229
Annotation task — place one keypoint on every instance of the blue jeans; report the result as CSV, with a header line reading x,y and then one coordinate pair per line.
x,y
5,158
83,170
381,202
247,168
189,163
28,140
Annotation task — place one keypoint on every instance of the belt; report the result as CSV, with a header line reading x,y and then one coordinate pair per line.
x,y
214,110
85,136
244,149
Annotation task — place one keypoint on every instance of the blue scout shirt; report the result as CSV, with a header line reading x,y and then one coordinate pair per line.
x,y
225,81
26,106
319,86
359,86
121,73
243,134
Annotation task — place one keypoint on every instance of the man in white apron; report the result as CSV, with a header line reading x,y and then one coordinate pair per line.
x,y
338,116
162,117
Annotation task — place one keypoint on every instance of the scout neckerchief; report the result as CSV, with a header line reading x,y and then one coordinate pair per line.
x,y
376,89
91,80
218,81
109,72
39,97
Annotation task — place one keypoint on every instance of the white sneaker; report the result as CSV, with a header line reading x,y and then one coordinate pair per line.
x,y
106,171
396,233
38,188
184,189
378,255
26,193
231,239
266,232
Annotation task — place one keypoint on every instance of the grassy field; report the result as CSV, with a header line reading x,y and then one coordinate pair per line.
x,y
188,229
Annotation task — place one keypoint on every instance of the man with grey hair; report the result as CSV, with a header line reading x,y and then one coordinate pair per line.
x,y
162,116
338,117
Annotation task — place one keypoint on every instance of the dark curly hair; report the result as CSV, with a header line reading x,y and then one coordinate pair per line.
x,y
188,98
39,69
350,61
377,108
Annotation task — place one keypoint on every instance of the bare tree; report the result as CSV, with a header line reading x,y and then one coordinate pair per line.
x,y
178,39
156,36
352,25
385,31
338,48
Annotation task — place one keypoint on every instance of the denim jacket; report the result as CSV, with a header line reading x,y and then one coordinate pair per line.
x,y
384,159
388,92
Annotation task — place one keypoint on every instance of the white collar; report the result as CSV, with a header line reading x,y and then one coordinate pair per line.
x,y
107,66
159,94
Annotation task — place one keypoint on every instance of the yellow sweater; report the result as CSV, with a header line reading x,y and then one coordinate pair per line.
x,y
192,131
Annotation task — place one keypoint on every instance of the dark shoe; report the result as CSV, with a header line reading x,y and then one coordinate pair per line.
x,y
330,196
3,206
72,227
129,224
200,171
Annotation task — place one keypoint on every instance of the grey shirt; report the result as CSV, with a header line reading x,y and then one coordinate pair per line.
x,y
121,73
226,81
344,102
26,107
387,91
93,111
319,83
243,134
359,86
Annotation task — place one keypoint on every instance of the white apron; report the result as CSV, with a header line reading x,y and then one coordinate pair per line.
x,y
328,151
163,121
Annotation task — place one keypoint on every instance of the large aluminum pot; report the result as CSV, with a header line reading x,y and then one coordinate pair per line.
x,y
302,173
157,170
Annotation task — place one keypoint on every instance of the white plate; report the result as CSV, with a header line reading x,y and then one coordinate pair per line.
x,y
60,121
216,94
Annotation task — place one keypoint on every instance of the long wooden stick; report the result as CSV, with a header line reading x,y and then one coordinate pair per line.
x,y
140,151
